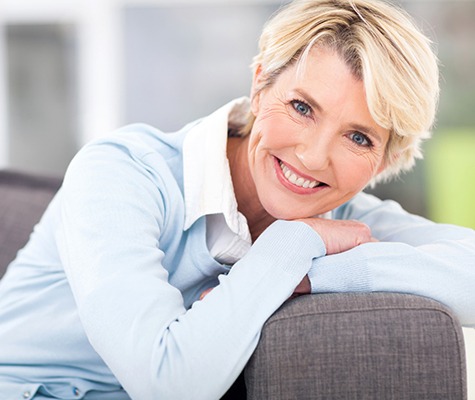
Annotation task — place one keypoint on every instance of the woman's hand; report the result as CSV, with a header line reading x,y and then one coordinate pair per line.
x,y
340,235
304,287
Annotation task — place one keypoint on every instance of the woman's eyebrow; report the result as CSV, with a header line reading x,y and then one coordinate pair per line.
x,y
310,100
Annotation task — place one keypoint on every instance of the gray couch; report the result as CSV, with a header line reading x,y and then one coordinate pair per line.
x,y
338,346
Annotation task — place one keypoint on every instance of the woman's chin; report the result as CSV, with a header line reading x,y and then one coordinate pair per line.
x,y
289,214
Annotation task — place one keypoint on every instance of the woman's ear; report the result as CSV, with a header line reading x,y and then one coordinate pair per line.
x,y
256,89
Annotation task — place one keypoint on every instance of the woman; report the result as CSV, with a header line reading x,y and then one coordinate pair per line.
x,y
156,265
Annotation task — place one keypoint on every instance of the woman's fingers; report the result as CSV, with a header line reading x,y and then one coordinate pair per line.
x,y
340,235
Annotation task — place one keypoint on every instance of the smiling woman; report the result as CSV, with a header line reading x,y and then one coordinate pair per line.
x,y
163,254
304,125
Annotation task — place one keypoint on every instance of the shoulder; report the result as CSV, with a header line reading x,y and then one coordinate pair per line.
x,y
138,141
130,150
363,204
137,163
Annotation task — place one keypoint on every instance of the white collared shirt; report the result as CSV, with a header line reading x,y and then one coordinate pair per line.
x,y
208,185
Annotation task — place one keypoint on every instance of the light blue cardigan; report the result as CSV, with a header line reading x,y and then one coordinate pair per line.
x,y
102,302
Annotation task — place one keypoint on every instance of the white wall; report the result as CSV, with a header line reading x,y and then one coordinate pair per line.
x,y
103,92
98,54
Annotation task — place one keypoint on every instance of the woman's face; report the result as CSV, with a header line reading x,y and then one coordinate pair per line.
x,y
314,144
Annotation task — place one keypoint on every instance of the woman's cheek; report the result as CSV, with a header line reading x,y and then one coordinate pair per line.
x,y
253,147
281,133
355,175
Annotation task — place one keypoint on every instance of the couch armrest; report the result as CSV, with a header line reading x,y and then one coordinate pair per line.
x,y
359,346
23,199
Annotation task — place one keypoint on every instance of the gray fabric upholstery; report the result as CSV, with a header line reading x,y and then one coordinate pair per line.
x,y
359,346
23,198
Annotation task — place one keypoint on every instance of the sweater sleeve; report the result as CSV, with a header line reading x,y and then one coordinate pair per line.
x,y
112,220
413,255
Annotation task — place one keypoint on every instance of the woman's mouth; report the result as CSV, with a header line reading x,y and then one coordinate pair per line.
x,y
295,179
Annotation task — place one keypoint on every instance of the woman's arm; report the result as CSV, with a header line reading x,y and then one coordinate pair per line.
x,y
116,209
413,255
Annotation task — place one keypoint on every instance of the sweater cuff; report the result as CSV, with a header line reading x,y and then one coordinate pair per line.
x,y
293,243
343,272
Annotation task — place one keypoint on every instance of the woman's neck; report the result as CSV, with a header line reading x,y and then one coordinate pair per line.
x,y
244,188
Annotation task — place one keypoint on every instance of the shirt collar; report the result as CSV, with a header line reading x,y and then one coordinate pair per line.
x,y
208,185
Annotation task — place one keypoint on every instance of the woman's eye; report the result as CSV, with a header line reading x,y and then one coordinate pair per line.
x,y
301,107
360,139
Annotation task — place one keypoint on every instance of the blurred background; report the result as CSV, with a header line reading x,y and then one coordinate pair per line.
x,y
74,70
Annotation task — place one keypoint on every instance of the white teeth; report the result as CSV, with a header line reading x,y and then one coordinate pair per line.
x,y
297,180
293,179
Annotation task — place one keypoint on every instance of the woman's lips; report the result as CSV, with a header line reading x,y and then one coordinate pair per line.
x,y
295,181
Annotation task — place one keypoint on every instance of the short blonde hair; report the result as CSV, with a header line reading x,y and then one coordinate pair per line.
x,y
382,46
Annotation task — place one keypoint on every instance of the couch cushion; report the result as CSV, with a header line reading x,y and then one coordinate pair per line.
x,y
23,198
372,346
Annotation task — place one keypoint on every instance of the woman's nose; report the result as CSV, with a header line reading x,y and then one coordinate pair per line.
x,y
314,153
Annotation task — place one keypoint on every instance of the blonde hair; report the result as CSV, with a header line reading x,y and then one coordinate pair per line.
x,y
382,47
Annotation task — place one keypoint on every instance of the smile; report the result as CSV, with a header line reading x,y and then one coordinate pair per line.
x,y
297,180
